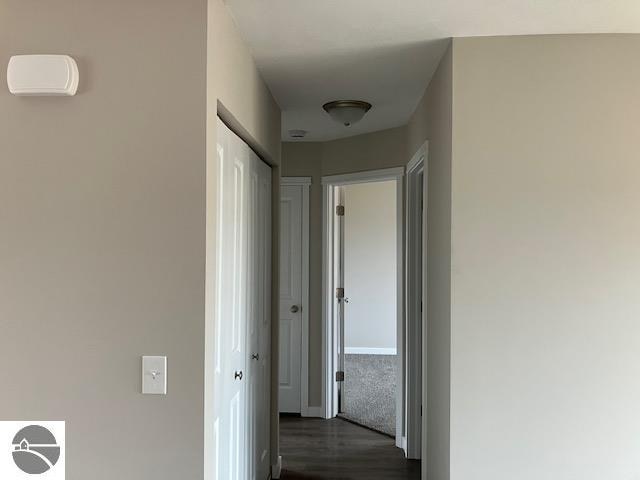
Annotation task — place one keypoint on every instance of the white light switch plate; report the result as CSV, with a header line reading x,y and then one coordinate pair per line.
x,y
154,375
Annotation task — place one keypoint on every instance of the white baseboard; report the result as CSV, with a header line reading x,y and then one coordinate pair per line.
x,y
277,468
370,351
313,412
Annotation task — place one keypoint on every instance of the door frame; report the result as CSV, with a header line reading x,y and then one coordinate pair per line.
x,y
305,183
416,305
329,314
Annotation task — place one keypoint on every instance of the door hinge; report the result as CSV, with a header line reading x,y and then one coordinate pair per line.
x,y
339,376
339,293
340,210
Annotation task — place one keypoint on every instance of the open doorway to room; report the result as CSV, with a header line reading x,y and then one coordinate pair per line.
x,y
363,301
367,332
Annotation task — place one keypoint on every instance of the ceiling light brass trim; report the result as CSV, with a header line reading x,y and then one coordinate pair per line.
x,y
366,106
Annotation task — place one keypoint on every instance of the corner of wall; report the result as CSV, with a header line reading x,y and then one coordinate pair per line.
x,y
237,93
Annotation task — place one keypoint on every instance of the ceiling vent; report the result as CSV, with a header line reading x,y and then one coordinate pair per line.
x,y
297,133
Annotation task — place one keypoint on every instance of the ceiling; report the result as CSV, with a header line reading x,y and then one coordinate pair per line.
x,y
310,52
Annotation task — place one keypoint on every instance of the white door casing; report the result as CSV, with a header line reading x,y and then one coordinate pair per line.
x,y
241,316
291,290
417,303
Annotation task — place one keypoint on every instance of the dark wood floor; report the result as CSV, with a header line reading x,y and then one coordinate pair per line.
x,y
315,449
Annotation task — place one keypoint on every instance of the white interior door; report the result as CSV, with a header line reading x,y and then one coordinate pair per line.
x,y
231,314
242,318
290,297
259,331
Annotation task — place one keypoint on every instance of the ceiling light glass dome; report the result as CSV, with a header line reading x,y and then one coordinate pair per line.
x,y
347,112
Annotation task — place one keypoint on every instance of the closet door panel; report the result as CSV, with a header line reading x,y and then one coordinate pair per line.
x,y
243,311
230,323
262,404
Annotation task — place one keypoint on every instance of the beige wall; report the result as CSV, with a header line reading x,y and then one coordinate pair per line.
x,y
372,151
533,233
363,152
237,93
102,244
370,257
103,213
431,122
236,89
546,258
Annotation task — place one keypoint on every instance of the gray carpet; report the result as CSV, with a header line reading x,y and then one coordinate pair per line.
x,y
370,391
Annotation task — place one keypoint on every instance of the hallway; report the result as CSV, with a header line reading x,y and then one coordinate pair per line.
x,y
315,449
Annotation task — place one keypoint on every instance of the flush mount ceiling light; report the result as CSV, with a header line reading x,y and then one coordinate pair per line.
x,y
347,112
297,133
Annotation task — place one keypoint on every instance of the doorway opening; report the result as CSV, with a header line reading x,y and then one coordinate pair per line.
x,y
363,312
367,333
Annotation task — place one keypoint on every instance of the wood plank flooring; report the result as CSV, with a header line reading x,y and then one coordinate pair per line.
x,y
316,449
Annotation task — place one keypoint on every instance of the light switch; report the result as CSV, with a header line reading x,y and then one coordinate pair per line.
x,y
154,375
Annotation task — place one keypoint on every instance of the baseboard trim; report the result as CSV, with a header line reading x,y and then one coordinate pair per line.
x,y
370,351
313,412
276,469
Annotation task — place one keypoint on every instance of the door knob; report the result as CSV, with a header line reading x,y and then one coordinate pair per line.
x,y
294,309
238,375
255,356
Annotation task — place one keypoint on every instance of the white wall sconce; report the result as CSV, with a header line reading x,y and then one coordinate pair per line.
x,y
42,75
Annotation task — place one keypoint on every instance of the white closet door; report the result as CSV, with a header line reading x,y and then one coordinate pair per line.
x,y
231,307
259,333
290,297
243,307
